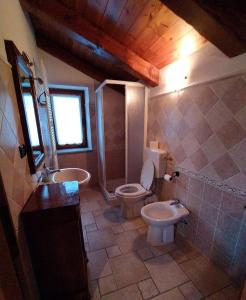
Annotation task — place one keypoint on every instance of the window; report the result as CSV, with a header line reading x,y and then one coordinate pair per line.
x,y
69,114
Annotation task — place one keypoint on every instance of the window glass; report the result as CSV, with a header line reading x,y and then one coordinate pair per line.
x,y
68,119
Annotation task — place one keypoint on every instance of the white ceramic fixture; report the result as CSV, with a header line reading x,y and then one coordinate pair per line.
x,y
72,174
132,195
161,217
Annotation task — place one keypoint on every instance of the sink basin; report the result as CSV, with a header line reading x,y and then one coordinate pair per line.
x,y
72,174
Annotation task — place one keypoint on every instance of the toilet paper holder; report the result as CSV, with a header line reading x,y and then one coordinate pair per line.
x,y
172,176
175,174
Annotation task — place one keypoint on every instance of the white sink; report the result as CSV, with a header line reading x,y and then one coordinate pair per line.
x,y
161,217
72,174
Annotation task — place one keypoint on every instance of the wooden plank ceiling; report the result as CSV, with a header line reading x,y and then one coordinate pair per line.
x,y
116,39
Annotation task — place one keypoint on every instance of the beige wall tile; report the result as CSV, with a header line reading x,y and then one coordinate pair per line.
x,y
213,146
231,133
225,167
18,181
8,140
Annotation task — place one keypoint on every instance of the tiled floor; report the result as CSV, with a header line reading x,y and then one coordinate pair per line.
x,y
122,266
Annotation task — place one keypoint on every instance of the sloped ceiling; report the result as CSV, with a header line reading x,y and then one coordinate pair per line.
x,y
131,39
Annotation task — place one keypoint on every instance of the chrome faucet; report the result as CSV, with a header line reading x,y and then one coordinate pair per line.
x,y
45,174
49,171
175,202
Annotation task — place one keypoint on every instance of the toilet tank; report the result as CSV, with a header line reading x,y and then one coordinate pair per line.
x,y
158,157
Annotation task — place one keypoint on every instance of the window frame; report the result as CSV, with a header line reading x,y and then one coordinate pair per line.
x,y
81,94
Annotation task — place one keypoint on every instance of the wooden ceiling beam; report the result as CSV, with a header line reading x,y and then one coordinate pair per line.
x,y
80,29
64,55
70,59
207,25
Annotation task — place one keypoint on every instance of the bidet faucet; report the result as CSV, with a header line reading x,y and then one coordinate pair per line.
x,y
175,202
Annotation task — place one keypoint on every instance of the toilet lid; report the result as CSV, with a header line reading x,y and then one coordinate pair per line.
x,y
147,174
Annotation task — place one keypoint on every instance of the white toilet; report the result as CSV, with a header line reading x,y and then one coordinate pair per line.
x,y
132,195
161,217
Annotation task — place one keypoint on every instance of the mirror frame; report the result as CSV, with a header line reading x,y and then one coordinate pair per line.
x,y
15,59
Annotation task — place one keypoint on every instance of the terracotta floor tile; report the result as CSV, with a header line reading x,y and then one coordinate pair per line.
x,y
228,293
217,296
107,284
101,239
142,230
148,288
145,253
130,241
98,212
133,224
87,218
85,236
190,291
206,277
165,272
94,290
232,292
91,227
178,256
113,251
160,250
174,294
98,265
88,206
128,269
107,219
94,195
129,293
117,229
186,248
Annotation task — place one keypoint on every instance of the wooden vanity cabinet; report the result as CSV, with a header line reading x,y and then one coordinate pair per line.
x,y
52,225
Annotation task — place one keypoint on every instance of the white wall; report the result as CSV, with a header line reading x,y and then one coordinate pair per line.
x,y
59,72
206,64
2,48
14,25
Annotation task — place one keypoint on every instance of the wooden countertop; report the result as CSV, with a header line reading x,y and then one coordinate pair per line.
x,y
51,196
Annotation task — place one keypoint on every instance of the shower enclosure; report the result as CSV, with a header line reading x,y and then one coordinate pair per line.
x,y
120,111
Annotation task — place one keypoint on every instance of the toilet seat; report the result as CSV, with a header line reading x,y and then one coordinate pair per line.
x,y
130,190
136,189
132,195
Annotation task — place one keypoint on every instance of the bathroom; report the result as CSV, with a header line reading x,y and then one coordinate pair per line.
x,y
155,81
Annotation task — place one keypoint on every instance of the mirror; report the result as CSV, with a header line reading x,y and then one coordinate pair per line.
x,y
25,93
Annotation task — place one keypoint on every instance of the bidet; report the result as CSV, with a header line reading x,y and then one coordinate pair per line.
x,y
161,217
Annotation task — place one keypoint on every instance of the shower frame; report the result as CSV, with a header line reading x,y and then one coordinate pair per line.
x,y
135,103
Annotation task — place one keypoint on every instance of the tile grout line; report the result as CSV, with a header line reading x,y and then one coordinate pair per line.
x,y
237,241
216,224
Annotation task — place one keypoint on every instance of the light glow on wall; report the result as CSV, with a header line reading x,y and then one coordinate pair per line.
x,y
177,74
187,46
